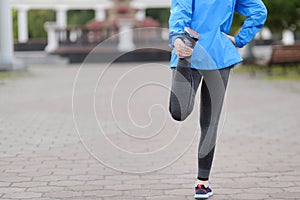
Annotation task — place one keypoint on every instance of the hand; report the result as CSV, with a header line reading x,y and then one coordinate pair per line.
x,y
181,49
231,38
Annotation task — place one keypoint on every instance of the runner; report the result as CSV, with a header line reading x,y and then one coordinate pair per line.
x,y
209,62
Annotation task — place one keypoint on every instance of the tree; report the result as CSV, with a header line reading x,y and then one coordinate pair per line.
x,y
283,15
80,17
36,20
159,14
15,23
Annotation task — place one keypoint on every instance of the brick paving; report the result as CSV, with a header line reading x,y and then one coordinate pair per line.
x,y
42,157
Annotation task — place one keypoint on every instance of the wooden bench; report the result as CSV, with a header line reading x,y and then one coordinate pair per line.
x,y
283,55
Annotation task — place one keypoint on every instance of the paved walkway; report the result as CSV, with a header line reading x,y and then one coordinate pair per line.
x,y
42,156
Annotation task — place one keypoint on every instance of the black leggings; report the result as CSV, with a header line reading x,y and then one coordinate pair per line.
x,y
185,82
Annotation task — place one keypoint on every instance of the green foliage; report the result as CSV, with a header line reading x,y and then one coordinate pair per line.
x,y
237,23
13,75
283,15
159,14
80,17
5,75
15,23
288,73
36,20
162,15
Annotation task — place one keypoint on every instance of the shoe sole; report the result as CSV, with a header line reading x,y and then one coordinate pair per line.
x,y
203,196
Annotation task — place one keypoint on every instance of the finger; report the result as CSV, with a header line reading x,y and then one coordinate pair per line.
x,y
185,49
184,52
180,56
188,53
183,55
188,50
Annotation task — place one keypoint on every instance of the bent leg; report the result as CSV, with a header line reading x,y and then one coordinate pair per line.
x,y
185,82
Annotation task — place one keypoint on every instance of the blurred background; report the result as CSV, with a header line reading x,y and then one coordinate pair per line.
x,y
66,31
54,106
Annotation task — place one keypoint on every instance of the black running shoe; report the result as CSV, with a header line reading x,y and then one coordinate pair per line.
x,y
202,192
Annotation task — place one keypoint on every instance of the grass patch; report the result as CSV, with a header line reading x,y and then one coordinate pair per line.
x,y
5,75
14,74
11,75
283,78
288,73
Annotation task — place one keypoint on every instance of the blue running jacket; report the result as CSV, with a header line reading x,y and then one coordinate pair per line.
x,y
212,18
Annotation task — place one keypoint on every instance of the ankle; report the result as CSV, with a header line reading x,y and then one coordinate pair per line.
x,y
202,182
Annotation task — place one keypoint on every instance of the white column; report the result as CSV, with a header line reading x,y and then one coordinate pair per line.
x,y
7,61
61,17
125,35
61,21
266,33
140,15
288,37
52,37
22,25
100,14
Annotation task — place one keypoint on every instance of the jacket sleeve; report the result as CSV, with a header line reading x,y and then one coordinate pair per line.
x,y
256,14
180,17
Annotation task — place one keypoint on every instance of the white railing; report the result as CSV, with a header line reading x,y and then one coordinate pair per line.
x,y
124,38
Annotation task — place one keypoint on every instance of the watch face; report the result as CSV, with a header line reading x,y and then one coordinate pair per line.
x,y
192,33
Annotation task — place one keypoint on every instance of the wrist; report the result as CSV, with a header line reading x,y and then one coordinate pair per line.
x,y
238,42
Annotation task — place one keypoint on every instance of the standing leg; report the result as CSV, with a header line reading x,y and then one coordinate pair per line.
x,y
212,95
185,82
